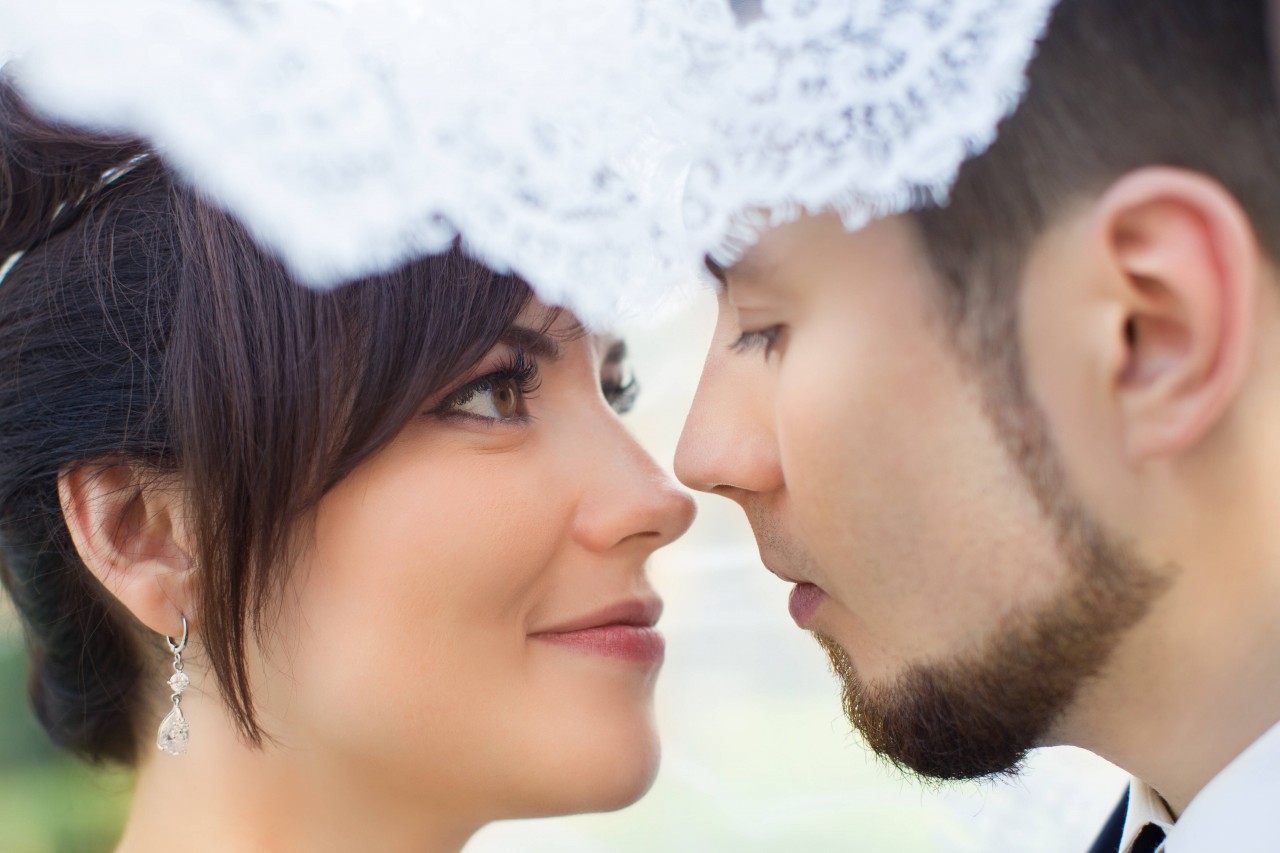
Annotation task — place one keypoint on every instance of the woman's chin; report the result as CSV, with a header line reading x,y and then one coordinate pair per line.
x,y
629,788
609,774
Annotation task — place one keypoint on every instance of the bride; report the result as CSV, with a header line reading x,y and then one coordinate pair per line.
x,y
366,565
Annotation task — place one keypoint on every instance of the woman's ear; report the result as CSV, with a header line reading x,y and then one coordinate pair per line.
x,y
129,526
1186,266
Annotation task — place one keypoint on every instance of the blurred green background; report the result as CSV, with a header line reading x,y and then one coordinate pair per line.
x,y
49,803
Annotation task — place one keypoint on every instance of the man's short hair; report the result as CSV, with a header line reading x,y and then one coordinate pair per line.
x,y
1116,85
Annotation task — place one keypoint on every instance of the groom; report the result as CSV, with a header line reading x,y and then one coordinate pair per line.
x,y
1020,454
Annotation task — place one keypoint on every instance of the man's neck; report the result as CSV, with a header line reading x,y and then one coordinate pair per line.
x,y
1191,687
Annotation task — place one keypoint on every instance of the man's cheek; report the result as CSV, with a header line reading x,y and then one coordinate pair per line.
x,y
814,435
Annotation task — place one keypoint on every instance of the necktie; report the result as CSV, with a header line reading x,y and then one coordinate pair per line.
x,y
1149,840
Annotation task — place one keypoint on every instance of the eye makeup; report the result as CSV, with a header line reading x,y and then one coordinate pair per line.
x,y
617,381
499,395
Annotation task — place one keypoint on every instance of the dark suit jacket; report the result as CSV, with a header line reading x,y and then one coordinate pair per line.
x,y
1108,840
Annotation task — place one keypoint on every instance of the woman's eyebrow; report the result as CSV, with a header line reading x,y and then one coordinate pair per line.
x,y
617,352
537,343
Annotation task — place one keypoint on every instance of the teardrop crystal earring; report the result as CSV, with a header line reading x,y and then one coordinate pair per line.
x,y
172,737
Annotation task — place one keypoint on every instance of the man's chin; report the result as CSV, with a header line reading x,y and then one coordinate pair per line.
x,y
978,716
929,722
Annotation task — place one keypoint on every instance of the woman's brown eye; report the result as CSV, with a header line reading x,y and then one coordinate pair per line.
x,y
499,396
506,398
494,398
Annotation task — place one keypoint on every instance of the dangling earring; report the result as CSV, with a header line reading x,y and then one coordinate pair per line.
x,y
173,728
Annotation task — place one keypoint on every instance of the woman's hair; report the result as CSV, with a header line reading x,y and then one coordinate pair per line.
x,y
142,325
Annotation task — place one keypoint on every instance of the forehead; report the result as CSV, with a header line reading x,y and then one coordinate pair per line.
x,y
815,246
779,243
770,251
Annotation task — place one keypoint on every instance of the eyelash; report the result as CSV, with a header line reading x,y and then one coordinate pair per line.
x,y
520,369
621,397
765,340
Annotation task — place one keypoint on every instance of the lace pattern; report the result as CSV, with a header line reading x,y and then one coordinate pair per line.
x,y
597,148
867,109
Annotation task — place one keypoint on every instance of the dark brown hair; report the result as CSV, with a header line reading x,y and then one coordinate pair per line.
x,y
1116,85
143,325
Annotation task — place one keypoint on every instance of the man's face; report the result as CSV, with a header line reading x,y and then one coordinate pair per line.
x,y
857,441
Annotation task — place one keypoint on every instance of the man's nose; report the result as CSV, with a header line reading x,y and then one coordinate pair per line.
x,y
729,445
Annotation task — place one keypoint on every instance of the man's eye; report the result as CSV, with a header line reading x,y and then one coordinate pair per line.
x,y
761,340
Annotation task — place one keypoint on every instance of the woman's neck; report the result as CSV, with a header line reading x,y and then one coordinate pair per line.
x,y
224,795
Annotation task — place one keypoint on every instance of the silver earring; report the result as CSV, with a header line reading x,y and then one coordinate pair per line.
x,y
173,728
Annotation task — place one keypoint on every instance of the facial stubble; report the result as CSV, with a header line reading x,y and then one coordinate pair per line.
x,y
979,715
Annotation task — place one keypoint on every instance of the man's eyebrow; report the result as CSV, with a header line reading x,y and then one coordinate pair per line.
x,y
717,272
751,268
537,343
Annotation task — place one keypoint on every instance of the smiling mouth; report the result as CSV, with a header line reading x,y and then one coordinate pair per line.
x,y
624,631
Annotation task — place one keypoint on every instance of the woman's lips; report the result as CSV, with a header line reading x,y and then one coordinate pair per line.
x,y
805,601
633,643
623,631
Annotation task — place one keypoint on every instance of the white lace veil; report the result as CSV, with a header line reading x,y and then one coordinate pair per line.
x,y
597,147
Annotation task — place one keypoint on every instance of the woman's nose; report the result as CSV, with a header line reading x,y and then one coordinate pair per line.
x,y
631,499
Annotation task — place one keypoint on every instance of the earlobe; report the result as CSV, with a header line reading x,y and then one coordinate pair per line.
x,y
130,532
1186,265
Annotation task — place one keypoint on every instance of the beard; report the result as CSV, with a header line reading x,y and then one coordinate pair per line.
x,y
979,715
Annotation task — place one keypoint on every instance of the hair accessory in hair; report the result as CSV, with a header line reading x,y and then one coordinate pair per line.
x,y
8,264
597,149
174,731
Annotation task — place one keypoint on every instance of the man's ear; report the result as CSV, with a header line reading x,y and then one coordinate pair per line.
x,y
129,527
1185,266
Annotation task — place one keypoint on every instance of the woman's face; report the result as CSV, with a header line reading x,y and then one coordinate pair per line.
x,y
471,625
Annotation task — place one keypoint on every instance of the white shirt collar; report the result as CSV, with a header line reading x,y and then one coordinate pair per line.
x,y
1145,806
1236,811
